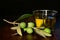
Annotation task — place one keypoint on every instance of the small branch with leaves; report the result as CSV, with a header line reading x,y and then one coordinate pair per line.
x,y
17,28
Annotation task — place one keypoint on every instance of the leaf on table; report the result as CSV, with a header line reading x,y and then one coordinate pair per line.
x,y
24,16
14,34
39,32
14,28
19,31
46,34
42,33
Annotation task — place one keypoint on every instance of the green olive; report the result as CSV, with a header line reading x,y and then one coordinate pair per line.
x,y
25,29
30,24
29,30
47,30
22,24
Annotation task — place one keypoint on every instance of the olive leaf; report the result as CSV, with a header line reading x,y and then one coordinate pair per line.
x,y
42,33
14,28
39,32
24,16
46,34
19,30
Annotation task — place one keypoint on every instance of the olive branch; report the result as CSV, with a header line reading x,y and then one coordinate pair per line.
x,y
10,22
17,28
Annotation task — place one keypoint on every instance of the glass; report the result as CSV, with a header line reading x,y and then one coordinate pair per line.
x,y
45,18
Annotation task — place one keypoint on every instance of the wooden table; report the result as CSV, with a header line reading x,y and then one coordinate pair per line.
x,y
6,34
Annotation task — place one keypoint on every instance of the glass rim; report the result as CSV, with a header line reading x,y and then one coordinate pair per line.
x,y
45,10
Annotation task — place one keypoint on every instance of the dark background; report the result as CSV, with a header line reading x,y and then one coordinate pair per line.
x,y
12,9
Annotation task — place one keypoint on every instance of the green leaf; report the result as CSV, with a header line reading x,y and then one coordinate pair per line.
x,y
24,16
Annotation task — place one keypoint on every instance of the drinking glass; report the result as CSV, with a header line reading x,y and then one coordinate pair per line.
x,y
45,18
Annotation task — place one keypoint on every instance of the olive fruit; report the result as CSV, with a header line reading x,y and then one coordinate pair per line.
x,y
30,24
47,30
25,29
22,24
29,30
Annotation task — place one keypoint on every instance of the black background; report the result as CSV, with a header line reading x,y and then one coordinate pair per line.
x,y
12,9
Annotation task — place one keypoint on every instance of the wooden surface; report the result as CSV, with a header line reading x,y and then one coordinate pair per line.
x,y
6,34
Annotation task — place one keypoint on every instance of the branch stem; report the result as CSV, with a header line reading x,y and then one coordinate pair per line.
x,y
10,22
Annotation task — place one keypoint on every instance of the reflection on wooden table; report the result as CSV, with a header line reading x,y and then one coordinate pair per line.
x,y
6,34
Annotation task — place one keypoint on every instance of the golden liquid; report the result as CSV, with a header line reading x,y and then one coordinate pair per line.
x,y
39,22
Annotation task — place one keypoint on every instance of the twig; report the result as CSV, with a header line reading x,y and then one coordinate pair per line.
x,y
10,22
14,34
